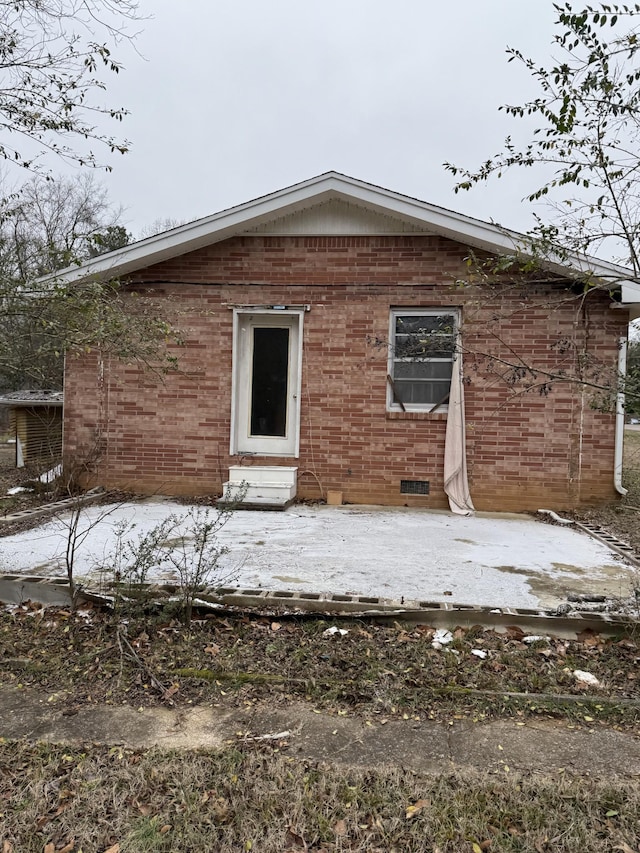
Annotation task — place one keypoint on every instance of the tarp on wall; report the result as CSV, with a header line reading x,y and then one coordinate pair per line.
x,y
456,483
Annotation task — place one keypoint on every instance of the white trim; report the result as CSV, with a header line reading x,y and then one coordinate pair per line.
x,y
394,312
234,381
235,377
487,236
619,439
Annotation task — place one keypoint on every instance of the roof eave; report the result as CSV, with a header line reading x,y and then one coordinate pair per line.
x,y
227,223
31,404
475,233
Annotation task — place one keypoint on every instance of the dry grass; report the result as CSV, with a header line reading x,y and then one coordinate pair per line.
x,y
374,669
622,518
92,798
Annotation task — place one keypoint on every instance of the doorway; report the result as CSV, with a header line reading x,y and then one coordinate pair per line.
x,y
266,393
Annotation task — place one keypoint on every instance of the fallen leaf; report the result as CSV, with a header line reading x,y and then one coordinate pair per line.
x,y
50,847
114,848
415,808
275,626
340,828
293,839
7,847
212,649
164,829
588,637
68,848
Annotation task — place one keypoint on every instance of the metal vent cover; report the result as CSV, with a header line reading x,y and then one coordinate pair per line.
x,y
414,487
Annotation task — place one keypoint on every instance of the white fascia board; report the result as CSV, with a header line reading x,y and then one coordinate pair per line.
x,y
220,226
178,241
332,185
439,220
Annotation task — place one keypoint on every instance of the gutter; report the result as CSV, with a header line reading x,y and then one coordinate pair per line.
x,y
619,442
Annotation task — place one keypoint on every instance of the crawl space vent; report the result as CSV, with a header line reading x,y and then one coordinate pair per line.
x,y
414,487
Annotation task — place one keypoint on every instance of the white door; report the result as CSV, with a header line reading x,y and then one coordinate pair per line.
x,y
267,356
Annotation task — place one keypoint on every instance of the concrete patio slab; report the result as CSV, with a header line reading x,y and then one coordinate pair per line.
x,y
487,560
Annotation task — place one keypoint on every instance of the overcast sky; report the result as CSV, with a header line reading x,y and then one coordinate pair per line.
x,y
232,99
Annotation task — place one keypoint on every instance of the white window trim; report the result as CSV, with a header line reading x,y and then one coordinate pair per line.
x,y
392,405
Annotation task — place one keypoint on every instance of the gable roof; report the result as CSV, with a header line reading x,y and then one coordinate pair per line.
x,y
353,207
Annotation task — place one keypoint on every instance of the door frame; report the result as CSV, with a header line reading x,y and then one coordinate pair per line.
x,y
294,317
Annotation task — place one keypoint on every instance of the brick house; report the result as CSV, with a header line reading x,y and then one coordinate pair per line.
x,y
342,337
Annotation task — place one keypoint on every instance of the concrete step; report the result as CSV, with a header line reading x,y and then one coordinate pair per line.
x,y
262,491
262,486
254,474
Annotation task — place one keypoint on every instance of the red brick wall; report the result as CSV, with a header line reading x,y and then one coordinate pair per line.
x,y
528,446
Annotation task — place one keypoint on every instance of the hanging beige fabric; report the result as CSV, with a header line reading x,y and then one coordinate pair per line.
x,y
456,483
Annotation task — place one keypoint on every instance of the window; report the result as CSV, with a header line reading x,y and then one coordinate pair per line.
x,y
421,350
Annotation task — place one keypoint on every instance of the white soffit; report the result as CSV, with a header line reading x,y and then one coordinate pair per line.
x,y
337,218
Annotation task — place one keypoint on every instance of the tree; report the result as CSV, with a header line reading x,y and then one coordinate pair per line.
x,y
52,57
158,226
633,377
44,323
53,224
588,142
48,225
585,153
112,238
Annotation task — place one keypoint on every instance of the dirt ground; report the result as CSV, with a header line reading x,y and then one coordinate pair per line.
x,y
11,476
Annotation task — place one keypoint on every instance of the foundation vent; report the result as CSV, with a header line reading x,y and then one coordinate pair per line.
x,y
414,487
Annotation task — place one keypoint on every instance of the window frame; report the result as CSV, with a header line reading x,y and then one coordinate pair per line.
x,y
392,403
